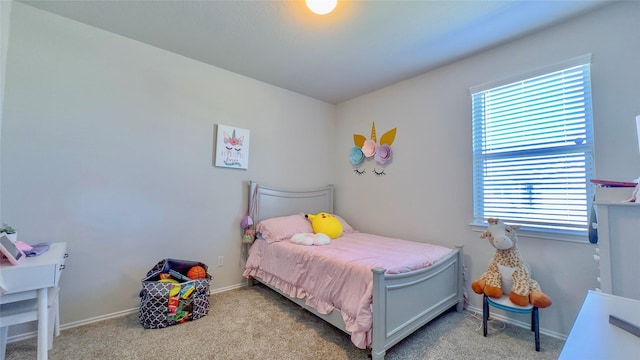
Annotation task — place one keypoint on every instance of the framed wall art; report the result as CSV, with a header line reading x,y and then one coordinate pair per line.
x,y
232,147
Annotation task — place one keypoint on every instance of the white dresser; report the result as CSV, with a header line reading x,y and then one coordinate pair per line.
x,y
619,246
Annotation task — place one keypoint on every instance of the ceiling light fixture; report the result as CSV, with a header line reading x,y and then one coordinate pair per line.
x,y
321,7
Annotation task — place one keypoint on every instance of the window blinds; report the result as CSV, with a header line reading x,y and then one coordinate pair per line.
x,y
532,150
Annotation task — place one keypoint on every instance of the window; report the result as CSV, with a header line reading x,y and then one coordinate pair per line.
x,y
532,149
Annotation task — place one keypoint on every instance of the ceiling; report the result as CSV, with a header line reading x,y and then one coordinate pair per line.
x,y
360,47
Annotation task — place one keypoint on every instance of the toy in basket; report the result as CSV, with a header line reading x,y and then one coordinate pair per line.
x,y
174,291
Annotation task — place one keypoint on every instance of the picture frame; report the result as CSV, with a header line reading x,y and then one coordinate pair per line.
x,y
232,147
10,250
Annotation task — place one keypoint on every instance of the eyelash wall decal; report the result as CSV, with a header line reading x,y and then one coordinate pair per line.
x,y
360,172
380,173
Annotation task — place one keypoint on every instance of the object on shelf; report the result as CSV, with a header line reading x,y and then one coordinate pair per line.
x,y
604,193
624,325
634,194
611,183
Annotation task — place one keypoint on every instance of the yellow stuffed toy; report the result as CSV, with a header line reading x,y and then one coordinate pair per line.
x,y
325,223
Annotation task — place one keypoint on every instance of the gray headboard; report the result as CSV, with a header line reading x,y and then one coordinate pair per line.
x,y
272,202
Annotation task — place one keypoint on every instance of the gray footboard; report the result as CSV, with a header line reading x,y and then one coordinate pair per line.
x,y
402,303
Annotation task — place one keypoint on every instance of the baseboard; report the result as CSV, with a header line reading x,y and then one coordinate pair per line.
x,y
518,323
32,334
227,288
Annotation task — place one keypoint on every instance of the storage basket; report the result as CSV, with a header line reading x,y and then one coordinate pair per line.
x,y
165,302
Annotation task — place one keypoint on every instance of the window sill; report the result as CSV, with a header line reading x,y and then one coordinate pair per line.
x,y
556,235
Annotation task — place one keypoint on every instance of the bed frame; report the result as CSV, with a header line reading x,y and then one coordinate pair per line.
x,y
402,303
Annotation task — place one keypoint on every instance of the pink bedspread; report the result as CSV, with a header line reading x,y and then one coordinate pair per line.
x,y
338,275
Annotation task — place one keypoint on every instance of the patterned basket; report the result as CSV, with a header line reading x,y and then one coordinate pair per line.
x,y
163,304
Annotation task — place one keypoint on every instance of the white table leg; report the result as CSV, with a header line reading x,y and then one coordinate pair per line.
x,y
43,324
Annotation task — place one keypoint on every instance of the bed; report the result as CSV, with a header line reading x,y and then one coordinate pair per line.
x,y
400,299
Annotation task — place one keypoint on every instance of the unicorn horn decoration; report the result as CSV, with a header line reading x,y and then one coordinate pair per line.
x,y
373,132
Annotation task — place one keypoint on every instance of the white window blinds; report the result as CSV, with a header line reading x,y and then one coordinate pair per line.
x,y
532,150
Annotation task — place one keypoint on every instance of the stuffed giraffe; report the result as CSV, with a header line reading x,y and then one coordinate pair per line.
x,y
507,262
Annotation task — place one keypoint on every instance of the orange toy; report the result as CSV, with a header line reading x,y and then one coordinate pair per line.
x,y
197,272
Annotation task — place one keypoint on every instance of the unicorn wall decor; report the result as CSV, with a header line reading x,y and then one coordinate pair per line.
x,y
232,147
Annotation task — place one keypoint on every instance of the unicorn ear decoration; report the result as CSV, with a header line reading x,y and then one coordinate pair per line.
x,y
366,148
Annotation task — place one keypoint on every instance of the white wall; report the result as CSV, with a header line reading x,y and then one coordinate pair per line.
x,y
5,21
107,144
427,192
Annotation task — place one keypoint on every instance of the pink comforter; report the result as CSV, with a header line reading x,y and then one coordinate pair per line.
x,y
338,275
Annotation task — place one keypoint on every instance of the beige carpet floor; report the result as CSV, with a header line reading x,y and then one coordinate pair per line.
x,y
257,323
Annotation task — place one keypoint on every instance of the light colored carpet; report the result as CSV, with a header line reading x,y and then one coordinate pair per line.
x,y
257,323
